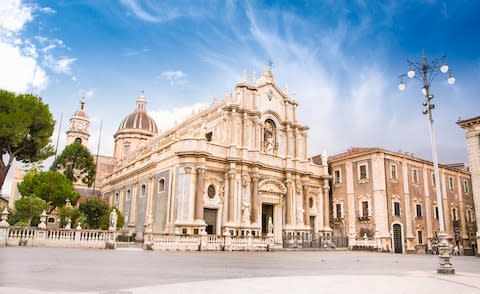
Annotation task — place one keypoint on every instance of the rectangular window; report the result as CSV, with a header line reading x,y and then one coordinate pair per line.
x,y
364,208
396,208
363,172
420,237
436,212
433,180
466,188
393,170
454,214
450,183
415,176
419,210
469,216
338,179
338,207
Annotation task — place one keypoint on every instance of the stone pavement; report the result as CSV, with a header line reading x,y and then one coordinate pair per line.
x,y
44,270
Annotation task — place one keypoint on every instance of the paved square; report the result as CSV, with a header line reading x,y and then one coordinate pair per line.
x,y
47,270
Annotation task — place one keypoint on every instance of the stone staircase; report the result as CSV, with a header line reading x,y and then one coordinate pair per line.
x,y
130,246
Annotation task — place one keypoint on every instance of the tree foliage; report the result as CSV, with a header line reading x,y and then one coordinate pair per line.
x,y
27,209
94,210
105,221
71,212
51,186
26,126
76,163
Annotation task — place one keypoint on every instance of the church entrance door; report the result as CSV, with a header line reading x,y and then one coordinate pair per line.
x,y
210,217
267,212
397,238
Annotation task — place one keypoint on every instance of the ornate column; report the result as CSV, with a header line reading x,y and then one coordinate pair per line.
x,y
200,185
231,195
289,204
306,204
326,207
253,199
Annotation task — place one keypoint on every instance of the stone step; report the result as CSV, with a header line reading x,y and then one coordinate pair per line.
x,y
129,245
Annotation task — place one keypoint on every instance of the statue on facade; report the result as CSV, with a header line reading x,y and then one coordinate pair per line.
x,y
245,212
300,212
68,226
270,226
148,222
113,220
269,136
269,144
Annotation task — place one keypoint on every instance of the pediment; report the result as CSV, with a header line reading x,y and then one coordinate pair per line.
x,y
272,186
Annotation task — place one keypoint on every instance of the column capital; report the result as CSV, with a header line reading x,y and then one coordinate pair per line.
x,y
201,169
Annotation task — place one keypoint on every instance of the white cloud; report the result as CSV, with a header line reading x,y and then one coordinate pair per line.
x,y
174,77
14,15
20,55
62,65
139,11
23,72
166,119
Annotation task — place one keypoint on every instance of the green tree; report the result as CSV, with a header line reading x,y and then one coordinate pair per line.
x,y
28,210
26,126
76,163
73,213
93,209
105,221
51,186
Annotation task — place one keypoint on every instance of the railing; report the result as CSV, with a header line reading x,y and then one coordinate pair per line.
x,y
32,236
319,242
365,243
206,242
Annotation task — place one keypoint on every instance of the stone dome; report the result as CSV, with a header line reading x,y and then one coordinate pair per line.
x,y
139,119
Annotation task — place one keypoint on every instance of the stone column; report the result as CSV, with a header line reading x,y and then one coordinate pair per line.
x,y
306,205
200,186
461,207
133,204
289,204
326,207
253,199
231,196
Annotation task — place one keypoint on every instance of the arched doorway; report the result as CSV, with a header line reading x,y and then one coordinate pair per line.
x,y
397,238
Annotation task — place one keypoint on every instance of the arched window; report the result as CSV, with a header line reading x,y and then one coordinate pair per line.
x,y
143,190
129,195
269,136
161,185
78,140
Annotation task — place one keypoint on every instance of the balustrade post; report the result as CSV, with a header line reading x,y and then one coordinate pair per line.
x,y
4,227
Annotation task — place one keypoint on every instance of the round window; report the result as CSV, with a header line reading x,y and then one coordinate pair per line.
x,y
211,191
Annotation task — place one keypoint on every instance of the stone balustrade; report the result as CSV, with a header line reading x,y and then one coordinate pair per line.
x,y
38,237
206,242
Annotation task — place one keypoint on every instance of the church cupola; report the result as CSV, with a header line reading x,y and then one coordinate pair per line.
x,y
78,130
135,129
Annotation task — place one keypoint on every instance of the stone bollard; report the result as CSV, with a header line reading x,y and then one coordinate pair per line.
x,y
203,240
4,227
78,232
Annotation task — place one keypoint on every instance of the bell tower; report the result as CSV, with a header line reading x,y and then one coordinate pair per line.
x,y
78,130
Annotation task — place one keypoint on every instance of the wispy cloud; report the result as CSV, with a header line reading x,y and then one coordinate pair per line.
x,y
62,65
166,119
174,77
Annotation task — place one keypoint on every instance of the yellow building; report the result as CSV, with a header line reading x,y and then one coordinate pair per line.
x,y
386,200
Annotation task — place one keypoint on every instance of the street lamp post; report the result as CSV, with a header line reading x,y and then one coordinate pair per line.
x,y
425,73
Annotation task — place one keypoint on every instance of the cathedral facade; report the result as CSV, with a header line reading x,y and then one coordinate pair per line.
x,y
239,167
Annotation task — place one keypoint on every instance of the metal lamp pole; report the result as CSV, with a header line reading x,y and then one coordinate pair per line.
x,y
425,73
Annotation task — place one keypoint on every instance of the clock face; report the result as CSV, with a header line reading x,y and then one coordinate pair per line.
x,y
80,126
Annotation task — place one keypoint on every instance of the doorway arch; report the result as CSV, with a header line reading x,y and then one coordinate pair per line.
x,y
397,238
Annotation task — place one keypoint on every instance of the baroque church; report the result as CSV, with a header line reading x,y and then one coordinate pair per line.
x,y
239,167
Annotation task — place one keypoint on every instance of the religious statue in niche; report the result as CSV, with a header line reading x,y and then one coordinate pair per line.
x,y
269,138
245,212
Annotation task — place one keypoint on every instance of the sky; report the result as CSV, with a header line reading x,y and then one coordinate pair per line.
x,y
341,58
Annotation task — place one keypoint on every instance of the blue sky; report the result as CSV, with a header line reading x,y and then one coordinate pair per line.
x,y
341,58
